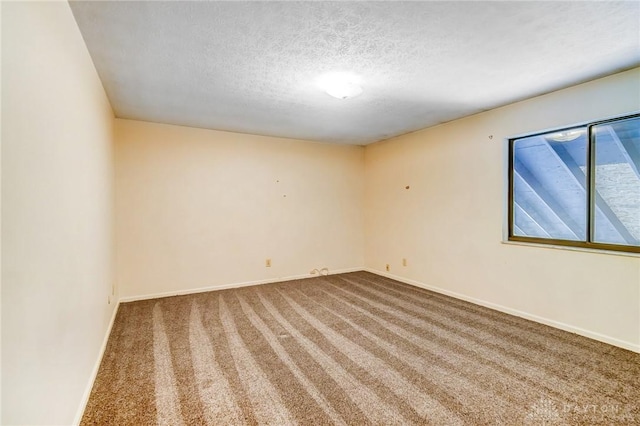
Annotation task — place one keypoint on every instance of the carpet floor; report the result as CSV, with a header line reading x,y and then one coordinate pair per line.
x,y
355,349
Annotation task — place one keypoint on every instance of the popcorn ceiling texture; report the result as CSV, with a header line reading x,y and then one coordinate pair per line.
x,y
251,66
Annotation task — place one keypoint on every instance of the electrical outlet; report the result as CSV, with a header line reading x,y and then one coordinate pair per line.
x,y
267,263
387,267
404,262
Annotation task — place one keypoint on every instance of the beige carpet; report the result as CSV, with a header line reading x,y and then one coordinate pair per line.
x,y
352,349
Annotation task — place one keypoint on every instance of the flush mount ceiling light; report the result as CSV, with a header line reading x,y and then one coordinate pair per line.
x,y
567,136
341,85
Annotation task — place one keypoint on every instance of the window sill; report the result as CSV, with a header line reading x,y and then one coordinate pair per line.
x,y
570,248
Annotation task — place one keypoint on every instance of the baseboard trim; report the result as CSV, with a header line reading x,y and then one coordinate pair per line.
x,y
96,367
552,323
228,286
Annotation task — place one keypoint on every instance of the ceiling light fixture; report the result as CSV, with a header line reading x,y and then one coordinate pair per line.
x,y
340,85
567,136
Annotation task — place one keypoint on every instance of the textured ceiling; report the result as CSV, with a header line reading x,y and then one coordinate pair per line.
x,y
251,66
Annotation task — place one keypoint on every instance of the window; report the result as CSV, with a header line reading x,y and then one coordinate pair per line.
x,y
578,186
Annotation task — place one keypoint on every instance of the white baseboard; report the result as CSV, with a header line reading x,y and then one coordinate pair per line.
x,y
552,323
96,367
228,286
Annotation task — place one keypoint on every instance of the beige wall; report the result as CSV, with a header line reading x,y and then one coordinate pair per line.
x,y
56,214
201,208
449,224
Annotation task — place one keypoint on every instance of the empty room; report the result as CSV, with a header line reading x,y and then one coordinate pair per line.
x,y
353,213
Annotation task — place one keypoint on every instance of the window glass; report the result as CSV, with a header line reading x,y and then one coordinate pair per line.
x,y
579,186
549,185
617,182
